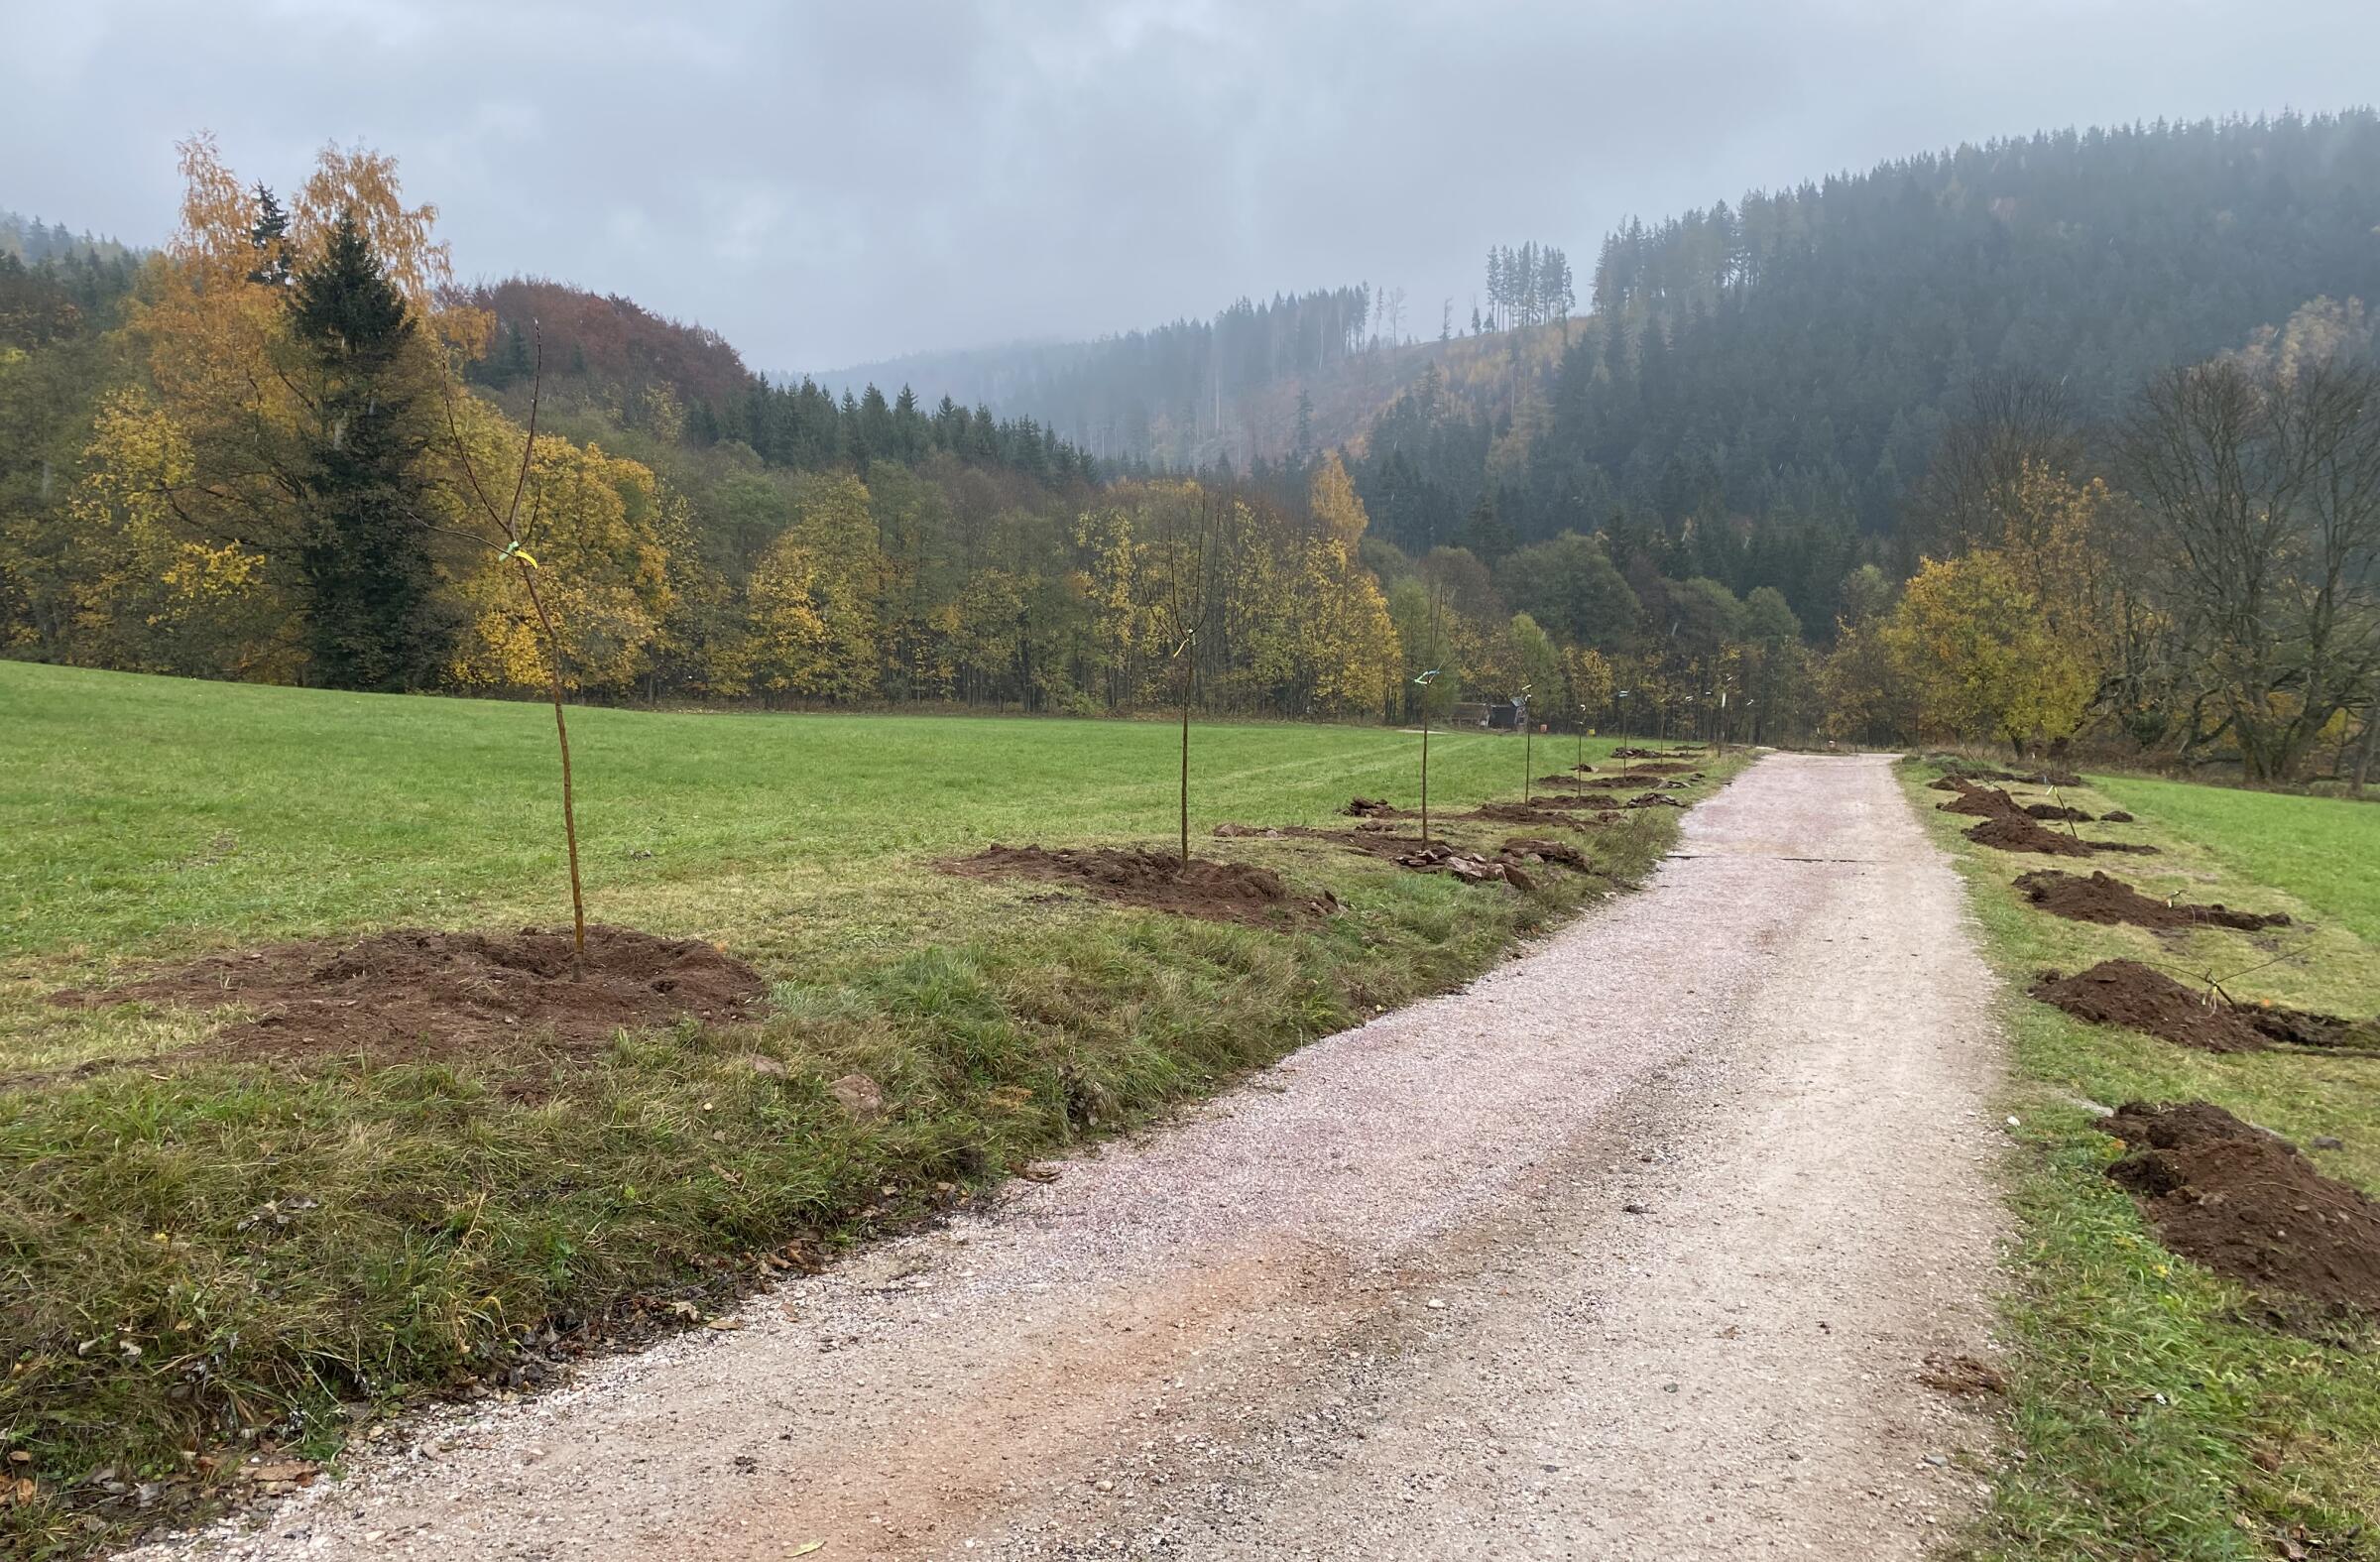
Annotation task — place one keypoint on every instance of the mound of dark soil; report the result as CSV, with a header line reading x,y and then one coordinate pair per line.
x,y
2013,832
414,993
2016,832
2119,816
1652,800
2127,993
1371,808
1159,880
1663,769
2108,901
2244,1203
2057,812
1983,802
2298,1028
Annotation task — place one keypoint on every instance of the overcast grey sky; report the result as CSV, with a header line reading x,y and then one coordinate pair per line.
x,y
825,183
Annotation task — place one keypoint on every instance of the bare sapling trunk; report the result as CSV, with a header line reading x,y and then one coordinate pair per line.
x,y
506,523
1189,670
2369,749
1425,775
1191,602
1422,702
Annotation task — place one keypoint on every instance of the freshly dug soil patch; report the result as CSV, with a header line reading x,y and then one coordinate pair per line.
x,y
415,993
1983,802
1159,880
2127,993
1373,808
2244,1203
2057,812
2298,1028
1536,848
2119,816
2015,832
1372,839
1545,811
1469,866
1666,767
2108,901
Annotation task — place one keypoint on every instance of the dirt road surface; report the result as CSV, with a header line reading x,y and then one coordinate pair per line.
x,y
1636,1248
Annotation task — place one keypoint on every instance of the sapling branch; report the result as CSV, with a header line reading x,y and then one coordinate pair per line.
x,y
506,522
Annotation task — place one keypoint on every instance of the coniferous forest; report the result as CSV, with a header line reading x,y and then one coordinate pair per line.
x,y
1994,444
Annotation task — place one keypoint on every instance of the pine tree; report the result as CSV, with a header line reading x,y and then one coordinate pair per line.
x,y
269,237
363,557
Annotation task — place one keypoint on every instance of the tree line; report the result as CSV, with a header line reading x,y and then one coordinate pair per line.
x,y
1526,287
1162,397
250,456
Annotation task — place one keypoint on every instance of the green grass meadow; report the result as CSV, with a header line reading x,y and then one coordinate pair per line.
x,y
204,1255
2158,1413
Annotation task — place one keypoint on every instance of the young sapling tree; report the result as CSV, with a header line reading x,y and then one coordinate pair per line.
x,y
1188,607
1189,670
1528,739
1423,682
507,526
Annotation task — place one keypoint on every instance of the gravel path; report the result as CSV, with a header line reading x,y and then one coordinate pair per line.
x,y
1636,1248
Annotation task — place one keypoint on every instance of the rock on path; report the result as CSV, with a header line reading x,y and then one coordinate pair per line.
x,y
1636,1248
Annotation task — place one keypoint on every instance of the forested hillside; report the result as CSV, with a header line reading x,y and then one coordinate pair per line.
x,y
34,241
1800,354
1173,395
270,459
2076,436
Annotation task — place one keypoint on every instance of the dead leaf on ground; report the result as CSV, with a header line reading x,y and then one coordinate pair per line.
x,y
280,1472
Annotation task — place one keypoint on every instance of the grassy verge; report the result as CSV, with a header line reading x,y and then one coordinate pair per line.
x,y
204,1258
2156,1413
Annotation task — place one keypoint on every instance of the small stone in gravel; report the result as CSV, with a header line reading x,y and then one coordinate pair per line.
x,y
1636,1209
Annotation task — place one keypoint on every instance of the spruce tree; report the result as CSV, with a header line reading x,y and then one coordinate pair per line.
x,y
373,618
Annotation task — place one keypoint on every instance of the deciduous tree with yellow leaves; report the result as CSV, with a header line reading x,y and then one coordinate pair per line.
x,y
1977,650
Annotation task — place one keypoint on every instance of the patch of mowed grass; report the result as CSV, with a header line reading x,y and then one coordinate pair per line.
x,y
2157,1411
2323,850
202,1257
